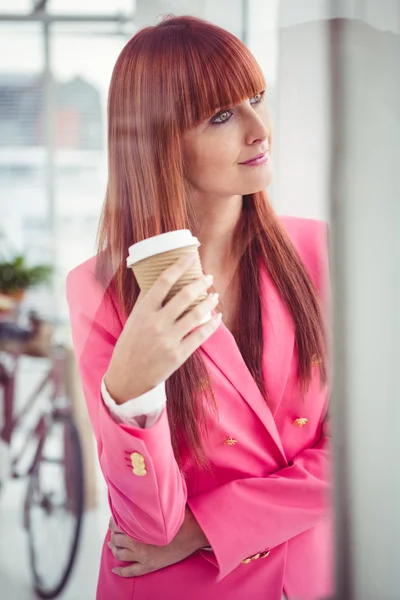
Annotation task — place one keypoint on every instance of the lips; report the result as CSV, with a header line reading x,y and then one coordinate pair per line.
x,y
256,159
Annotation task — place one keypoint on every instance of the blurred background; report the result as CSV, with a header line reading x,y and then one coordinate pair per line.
x,y
332,70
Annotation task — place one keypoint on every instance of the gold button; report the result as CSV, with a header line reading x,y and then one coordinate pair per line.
x,y
139,472
265,554
250,558
230,441
300,422
138,464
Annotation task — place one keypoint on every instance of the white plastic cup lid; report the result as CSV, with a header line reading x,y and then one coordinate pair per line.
x,y
160,243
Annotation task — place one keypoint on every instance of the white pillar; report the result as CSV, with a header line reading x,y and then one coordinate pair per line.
x,y
365,213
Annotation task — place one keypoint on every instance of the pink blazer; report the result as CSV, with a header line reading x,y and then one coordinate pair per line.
x,y
269,493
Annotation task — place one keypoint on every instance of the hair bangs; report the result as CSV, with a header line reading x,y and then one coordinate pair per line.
x,y
210,68
221,78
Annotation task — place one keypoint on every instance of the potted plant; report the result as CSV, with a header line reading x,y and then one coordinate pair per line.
x,y
16,276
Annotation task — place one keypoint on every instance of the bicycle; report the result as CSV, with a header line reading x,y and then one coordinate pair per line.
x,y
55,490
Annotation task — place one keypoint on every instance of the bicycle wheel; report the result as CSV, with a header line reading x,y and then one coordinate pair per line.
x,y
54,507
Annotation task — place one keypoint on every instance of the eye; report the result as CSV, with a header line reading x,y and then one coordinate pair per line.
x,y
222,117
257,98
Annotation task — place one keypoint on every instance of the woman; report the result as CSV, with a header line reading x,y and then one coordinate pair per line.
x,y
211,438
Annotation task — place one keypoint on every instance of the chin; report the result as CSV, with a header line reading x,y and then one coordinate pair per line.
x,y
258,185
256,179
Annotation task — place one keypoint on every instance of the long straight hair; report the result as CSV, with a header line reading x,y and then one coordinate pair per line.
x,y
167,79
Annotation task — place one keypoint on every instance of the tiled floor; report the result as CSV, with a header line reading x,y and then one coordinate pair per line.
x,y
14,566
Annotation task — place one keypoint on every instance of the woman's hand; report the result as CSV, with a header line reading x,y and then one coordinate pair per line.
x,y
145,558
155,341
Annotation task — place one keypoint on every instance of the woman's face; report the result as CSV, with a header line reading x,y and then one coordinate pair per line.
x,y
217,152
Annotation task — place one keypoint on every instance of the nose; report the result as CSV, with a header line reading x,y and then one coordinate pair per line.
x,y
257,130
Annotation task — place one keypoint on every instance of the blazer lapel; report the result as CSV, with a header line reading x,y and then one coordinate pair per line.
x,y
278,333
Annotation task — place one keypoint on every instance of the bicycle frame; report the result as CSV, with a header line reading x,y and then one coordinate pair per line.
x,y
63,492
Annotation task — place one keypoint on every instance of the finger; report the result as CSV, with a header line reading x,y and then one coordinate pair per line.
x,y
121,540
200,335
195,316
122,554
133,570
185,297
159,291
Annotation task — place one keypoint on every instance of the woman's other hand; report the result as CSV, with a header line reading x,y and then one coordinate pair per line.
x,y
146,558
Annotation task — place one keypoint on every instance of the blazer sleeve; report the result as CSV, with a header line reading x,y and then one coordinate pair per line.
x,y
261,513
147,494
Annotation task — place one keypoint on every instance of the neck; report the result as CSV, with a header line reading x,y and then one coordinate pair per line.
x,y
216,222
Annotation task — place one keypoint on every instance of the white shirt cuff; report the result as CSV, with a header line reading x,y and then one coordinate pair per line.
x,y
142,411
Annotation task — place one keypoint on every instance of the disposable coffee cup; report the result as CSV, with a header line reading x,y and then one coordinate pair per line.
x,y
150,257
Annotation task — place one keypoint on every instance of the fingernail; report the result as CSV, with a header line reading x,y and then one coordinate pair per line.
x,y
109,545
214,298
115,570
209,279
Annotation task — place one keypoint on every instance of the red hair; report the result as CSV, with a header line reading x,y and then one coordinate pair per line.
x,y
167,79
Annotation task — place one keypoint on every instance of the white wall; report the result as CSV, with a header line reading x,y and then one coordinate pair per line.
x,y
302,137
